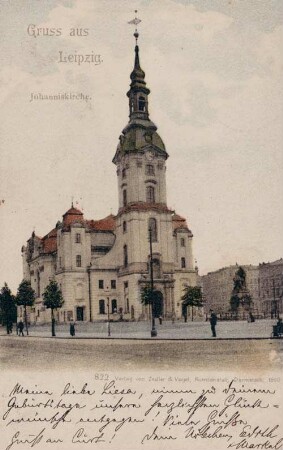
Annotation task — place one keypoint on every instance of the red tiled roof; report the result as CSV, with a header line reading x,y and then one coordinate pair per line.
x,y
49,245
106,224
73,211
71,216
179,222
49,242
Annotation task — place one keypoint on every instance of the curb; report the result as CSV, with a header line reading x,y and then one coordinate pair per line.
x,y
107,338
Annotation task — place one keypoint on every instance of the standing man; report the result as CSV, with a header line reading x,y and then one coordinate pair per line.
x,y
72,328
20,326
213,322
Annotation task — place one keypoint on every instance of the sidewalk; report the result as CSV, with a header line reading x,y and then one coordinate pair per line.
x,y
261,329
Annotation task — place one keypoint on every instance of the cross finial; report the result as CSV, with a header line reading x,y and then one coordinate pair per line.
x,y
135,22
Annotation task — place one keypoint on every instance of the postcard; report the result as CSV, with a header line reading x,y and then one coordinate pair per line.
x,y
140,182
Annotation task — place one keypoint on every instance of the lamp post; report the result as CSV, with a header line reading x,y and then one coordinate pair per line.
x,y
89,292
108,318
153,329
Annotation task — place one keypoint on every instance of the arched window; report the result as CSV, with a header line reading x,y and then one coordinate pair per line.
x,y
152,225
124,226
182,242
150,194
131,105
124,197
149,169
183,263
101,307
141,104
124,172
125,256
113,306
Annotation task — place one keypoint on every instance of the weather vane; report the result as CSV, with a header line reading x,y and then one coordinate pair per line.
x,y
135,22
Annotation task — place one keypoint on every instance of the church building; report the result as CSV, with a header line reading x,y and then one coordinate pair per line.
x,y
103,265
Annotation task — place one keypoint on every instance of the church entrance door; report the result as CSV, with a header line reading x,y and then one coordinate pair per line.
x,y
158,304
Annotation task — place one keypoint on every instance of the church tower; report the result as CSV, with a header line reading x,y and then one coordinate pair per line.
x,y
102,266
141,167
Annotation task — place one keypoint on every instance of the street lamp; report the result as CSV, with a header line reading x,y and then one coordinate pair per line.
x,y
89,292
107,292
153,329
108,318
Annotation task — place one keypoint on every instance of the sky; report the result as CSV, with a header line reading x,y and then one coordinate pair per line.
x,y
214,68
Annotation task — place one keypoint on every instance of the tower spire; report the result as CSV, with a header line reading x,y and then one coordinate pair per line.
x,y
138,92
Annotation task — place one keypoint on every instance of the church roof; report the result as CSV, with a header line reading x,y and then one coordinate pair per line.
x,y
71,216
106,224
179,222
49,242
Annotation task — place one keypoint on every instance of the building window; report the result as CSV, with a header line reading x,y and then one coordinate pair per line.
x,y
125,256
141,104
38,283
101,307
78,238
78,261
152,225
127,306
101,284
113,306
113,284
124,197
124,173
149,169
182,242
150,194
126,284
183,263
124,226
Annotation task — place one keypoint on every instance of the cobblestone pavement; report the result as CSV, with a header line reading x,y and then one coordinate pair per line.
x,y
141,330
51,354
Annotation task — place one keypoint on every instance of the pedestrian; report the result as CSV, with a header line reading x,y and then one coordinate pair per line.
x,y
213,322
160,320
20,327
9,326
72,328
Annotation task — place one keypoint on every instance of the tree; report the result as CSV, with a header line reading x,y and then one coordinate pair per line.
x,y
240,296
8,308
53,299
146,295
151,297
192,297
25,297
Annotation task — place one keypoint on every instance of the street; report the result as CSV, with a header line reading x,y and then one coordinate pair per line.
x,y
33,353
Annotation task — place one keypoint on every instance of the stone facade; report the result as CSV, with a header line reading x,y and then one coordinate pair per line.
x,y
101,264
271,288
217,288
